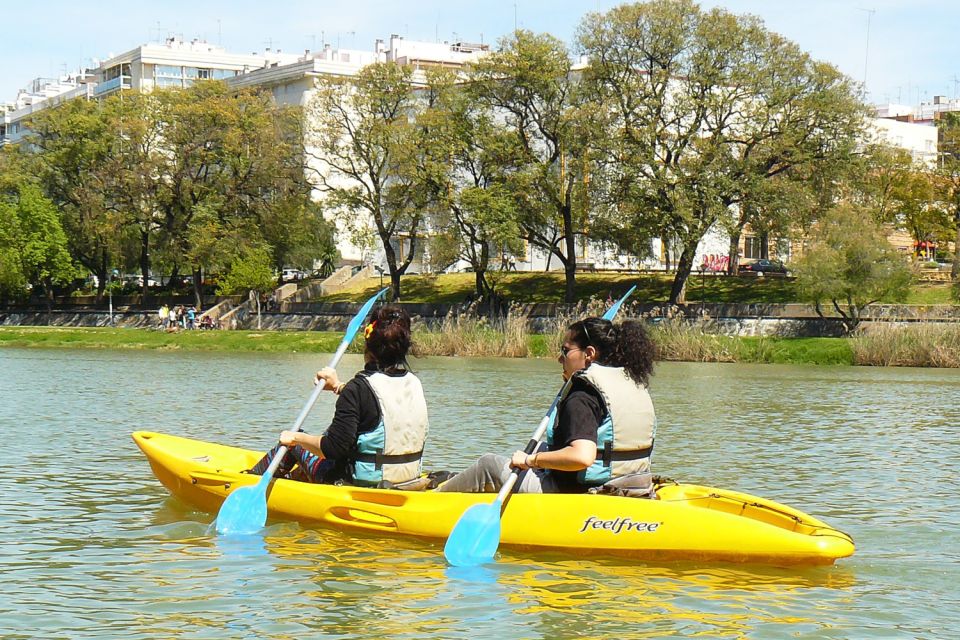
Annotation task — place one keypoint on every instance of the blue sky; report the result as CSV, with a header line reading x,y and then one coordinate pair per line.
x,y
914,51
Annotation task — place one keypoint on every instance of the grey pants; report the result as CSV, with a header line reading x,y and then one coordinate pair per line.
x,y
489,473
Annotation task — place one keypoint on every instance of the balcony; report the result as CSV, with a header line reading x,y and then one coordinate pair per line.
x,y
120,82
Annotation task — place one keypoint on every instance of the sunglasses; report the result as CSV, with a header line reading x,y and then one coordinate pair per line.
x,y
566,350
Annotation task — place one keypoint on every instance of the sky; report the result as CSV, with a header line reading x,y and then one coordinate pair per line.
x,y
912,52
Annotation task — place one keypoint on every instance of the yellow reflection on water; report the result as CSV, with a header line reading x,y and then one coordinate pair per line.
x,y
319,581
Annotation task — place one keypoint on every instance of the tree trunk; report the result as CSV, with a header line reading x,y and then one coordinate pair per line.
x,y
955,270
101,273
570,271
391,257
570,243
733,253
144,263
48,295
198,287
678,292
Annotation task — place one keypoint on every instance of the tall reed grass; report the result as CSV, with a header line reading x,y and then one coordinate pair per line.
x,y
467,333
920,344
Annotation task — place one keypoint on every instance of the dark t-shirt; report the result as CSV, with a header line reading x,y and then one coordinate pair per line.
x,y
578,419
357,412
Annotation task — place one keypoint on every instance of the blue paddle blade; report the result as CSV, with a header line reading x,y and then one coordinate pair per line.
x,y
245,510
475,537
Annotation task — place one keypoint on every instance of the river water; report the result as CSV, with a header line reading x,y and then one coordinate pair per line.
x,y
92,546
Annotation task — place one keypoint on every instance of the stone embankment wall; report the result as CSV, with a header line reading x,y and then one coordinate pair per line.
x,y
793,320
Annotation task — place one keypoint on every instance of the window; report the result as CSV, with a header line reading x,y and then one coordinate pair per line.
x,y
753,247
204,74
167,71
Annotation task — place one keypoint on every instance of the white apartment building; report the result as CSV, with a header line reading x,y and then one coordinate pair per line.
x,y
39,94
173,63
918,138
178,63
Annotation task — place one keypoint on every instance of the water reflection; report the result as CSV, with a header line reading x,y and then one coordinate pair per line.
x,y
92,546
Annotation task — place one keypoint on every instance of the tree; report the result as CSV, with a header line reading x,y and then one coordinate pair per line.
x,y
73,144
251,273
233,167
33,245
531,88
850,264
950,178
467,172
365,146
704,107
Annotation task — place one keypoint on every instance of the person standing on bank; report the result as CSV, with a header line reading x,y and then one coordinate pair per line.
x,y
380,424
605,425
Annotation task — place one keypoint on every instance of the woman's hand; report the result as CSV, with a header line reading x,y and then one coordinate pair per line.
x,y
523,460
288,438
328,377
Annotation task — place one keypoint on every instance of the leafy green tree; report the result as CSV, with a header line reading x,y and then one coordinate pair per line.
x,y
33,245
73,144
365,149
467,170
530,86
949,183
702,107
250,273
233,167
849,264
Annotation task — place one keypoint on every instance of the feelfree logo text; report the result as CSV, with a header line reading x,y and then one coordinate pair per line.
x,y
619,524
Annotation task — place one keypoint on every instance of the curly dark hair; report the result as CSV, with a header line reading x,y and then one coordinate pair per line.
x,y
389,340
624,345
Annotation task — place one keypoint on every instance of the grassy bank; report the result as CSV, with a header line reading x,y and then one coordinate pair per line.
x,y
103,338
915,345
549,287
465,339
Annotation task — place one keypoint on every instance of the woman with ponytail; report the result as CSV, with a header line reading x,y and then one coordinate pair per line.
x,y
605,425
379,426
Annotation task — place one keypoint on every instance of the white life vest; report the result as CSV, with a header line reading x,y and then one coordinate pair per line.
x,y
393,450
627,429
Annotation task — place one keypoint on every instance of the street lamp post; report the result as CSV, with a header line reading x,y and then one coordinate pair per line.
x,y
380,271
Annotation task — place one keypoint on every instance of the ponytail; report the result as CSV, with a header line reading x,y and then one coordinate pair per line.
x,y
388,337
624,345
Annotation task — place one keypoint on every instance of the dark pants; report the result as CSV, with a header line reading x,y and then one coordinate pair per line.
x,y
297,464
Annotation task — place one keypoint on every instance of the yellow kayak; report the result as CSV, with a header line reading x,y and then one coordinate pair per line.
x,y
685,522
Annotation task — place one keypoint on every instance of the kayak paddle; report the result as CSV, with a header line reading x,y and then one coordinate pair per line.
x,y
245,510
476,536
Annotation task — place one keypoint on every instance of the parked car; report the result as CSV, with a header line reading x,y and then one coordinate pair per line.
x,y
763,266
292,275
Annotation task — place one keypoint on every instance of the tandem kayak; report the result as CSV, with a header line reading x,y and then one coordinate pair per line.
x,y
685,522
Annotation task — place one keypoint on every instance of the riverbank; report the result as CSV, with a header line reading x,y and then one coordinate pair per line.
x,y
709,348
912,345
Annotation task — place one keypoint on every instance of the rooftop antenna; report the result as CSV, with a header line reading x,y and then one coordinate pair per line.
x,y
956,80
866,55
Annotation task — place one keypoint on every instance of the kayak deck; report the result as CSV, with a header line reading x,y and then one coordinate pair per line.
x,y
687,521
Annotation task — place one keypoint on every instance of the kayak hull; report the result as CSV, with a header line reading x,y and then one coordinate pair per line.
x,y
687,522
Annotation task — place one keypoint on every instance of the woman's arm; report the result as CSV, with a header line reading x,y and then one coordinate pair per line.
x,y
305,440
576,456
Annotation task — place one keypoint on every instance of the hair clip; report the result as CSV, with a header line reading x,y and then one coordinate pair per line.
x,y
369,329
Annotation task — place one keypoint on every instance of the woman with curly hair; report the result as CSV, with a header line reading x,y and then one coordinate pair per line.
x,y
380,424
605,425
